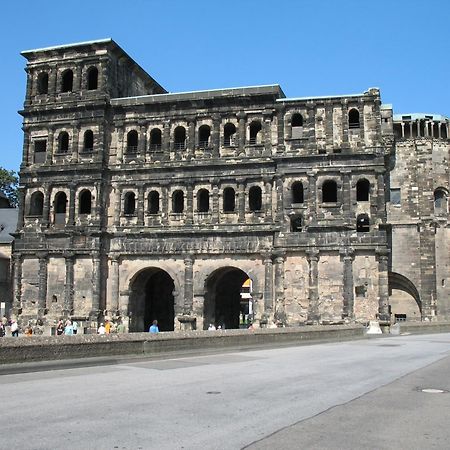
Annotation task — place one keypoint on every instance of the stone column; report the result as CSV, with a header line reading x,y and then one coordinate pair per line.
x,y
241,130
280,199
17,283
120,144
280,313
215,202
191,139
69,288
21,198
96,283
313,308
403,129
118,204
189,204
381,205
31,88
280,130
77,86
115,285
142,142
267,116
164,204
166,140
348,307
188,284
50,145
215,137
46,205
27,155
346,195
42,296
241,200
268,283
268,197
76,143
140,206
312,200
383,287
72,194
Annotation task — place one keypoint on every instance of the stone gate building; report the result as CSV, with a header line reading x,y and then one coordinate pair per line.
x,y
141,204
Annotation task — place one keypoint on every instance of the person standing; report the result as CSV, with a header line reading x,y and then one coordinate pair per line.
x,y
75,327
59,328
14,328
2,329
101,329
154,327
107,326
68,329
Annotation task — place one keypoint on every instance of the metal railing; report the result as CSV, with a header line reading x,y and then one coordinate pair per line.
x,y
203,144
229,142
132,149
155,147
179,145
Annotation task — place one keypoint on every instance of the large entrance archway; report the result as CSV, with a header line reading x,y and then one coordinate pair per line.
x,y
404,298
151,298
228,300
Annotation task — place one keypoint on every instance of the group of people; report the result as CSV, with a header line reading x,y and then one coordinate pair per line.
x,y
109,327
68,328
13,327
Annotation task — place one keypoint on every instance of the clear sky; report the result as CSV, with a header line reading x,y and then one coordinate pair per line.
x,y
309,47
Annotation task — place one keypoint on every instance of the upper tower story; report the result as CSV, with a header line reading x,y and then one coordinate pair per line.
x,y
84,71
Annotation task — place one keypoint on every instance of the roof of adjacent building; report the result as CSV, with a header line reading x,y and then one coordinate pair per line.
x,y
8,223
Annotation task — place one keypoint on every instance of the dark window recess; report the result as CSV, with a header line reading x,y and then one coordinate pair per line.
x,y
297,120
360,291
40,151
395,196
443,131
204,133
362,190
63,142
353,118
203,201
132,141
296,224
42,83
255,198
329,192
255,133
85,201
229,200
363,223
92,79
180,138
60,208
440,201
129,207
88,141
67,81
297,192
155,139
178,202
153,202
398,130
37,204
229,135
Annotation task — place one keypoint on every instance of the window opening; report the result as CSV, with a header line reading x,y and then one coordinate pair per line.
x,y
180,138
60,205
296,224
229,135
297,126
132,141
42,83
64,142
153,202
67,81
297,192
353,118
362,223
229,199
92,79
40,151
395,196
329,192
88,141
37,204
204,133
203,201
255,133
129,207
440,201
178,202
85,202
362,190
155,139
255,198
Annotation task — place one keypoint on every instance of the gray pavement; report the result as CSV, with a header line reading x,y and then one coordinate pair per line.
x,y
360,394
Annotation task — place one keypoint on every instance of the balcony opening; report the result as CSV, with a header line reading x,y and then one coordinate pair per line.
x,y
132,141
203,201
440,202
297,192
60,207
297,126
129,207
85,202
329,191
42,83
255,198
155,140
296,224
88,141
63,142
178,202
36,204
229,135
92,79
362,190
180,138
67,81
153,202
353,118
204,134
229,199
40,151
255,133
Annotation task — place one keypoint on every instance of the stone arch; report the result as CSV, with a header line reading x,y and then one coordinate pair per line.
x,y
399,282
224,305
152,294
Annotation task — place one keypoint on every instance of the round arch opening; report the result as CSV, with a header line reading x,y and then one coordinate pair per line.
x,y
404,298
152,298
228,299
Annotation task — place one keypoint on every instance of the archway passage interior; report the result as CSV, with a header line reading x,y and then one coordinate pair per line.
x,y
152,299
404,298
224,303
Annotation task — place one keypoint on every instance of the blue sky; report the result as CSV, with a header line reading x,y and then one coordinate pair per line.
x,y
309,47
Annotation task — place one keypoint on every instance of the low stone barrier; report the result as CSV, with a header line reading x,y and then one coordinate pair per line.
x,y
424,327
47,348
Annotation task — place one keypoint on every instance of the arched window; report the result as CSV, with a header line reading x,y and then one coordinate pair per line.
x,y
329,191
153,202
88,141
353,118
203,200
40,151
255,198
362,223
60,207
296,224
178,202
63,142
440,201
229,135
362,190
229,199
204,133
129,206
36,204
42,83
180,138
67,81
85,202
155,139
255,132
297,126
132,141
92,79
297,192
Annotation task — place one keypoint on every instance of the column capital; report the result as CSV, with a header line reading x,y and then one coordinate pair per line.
x,y
241,115
68,254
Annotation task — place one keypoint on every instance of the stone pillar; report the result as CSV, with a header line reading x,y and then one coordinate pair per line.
x,y
312,200
280,129
120,144
418,128
403,129
268,197
17,284
96,283
77,80
72,194
215,202
280,313
381,205
189,204
118,204
348,308
31,88
166,140
215,137
241,200
115,285
268,284
53,83
76,143
42,296
267,116
140,206
313,308
383,287
27,155
346,195
69,288
21,198
191,139
50,145
164,204
241,130
142,142
46,206
279,185
188,284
